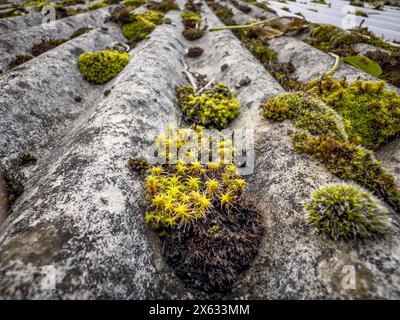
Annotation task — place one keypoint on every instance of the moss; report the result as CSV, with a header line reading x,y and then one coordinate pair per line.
x,y
283,72
120,15
13,11
373,113
357,3
390,64
133,4
261,5
195,52
190,19
361,13
184,191
213,108
100,67
45,46
193,34
74,11
66,3
242,7
80,32
221,11
138,30
307,113
27,158
19,60
330,38
349,162
193,7
261,51
36,3
211,254
98,5
344,211
138,164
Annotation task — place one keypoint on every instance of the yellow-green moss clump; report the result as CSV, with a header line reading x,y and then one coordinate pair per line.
x,y
372,112
344,211
142,25
209,226
186,191
100,67
307,113
349,162
212,108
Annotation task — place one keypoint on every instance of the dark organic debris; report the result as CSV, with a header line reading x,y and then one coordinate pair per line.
x,y
138,164
210,253
192,34
18,60
45,46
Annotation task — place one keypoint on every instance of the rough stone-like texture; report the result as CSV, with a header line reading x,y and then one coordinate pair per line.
x,y
39,97
293,261
81,218
389,155
363,48
19,43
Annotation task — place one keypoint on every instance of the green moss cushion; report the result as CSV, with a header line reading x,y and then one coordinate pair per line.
x,y
345,211
138,30
100,67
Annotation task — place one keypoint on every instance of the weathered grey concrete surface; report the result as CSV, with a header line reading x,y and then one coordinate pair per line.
x,y
81,219
20,43
39,97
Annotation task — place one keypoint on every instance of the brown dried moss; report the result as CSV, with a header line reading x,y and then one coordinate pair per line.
x,y
211,253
